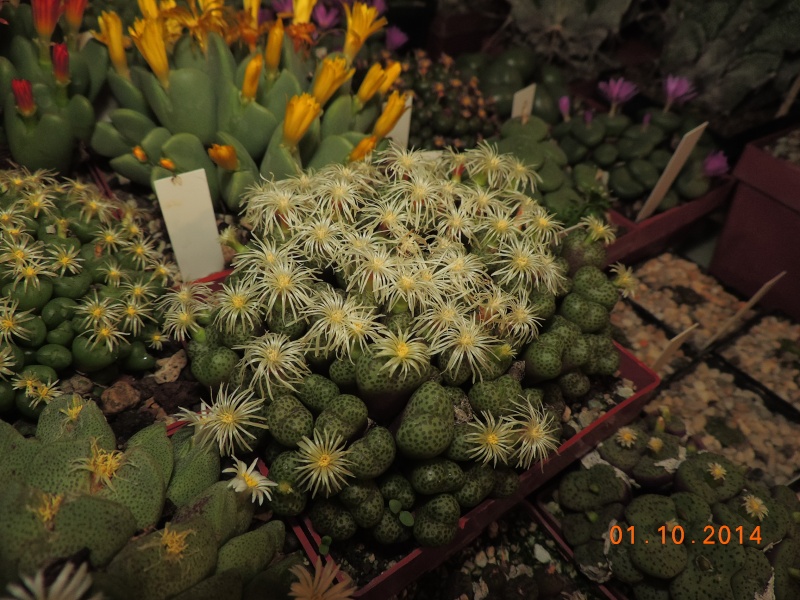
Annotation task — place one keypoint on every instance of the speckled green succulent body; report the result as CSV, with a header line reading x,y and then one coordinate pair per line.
x,y
496,397
287,498
316,392
426,428
139,485
251,552
214,366
331,518
196,468
364,501
693,476
288,420
394,486
344,416
218,505
382,392
54,424
373,454
436,522
436,476
478,483
153,439
591,489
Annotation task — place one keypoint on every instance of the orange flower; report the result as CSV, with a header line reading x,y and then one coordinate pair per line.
x,y
395,107
363,148
224,156
140,154
168,164
332,73
252,74
300,114
45,17
73,13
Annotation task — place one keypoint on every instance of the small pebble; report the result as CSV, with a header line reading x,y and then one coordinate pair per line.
x,y
542,555
481,559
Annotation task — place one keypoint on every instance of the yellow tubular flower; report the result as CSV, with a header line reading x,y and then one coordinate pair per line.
x,y
300,113
392,73
395,107
224,156
111,36
274,45
331,75
251,76
363,148
302,11
373,81
362,22
147,35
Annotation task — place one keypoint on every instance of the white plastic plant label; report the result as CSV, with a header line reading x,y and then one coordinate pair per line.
x,y
522,103
399,135
185,202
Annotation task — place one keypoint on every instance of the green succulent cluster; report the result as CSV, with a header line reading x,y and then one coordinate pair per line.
x,y
79,276
69,489
742,54
636,154
374,303
449,108
570,192
62,113
703,496
516,67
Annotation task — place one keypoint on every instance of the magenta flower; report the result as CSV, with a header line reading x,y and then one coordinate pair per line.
x,y
283,6
380,5
677,91
646,120
588,116
564,105
617,92
326,18
715,164
395,38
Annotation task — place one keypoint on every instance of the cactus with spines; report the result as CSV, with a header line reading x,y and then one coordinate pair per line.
x,y
242,101
80,276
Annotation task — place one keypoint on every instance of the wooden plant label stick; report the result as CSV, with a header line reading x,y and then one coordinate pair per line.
x,y
740,313
185,202
402,128
672,348
522,104
679,158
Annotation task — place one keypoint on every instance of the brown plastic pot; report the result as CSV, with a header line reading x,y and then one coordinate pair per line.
x,y
471,525
637,241
761,236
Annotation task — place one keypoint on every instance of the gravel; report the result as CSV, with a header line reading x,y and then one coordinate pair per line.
x,y
759,354
787,147
679,294
734,422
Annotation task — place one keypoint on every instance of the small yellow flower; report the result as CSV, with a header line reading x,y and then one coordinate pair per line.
x,y
362,22
168,164
755,507
47,509
372,83
363,148
655,444
395,107
274,46
302,11
174,543
147,35
300,113
224,156
251,76
111,35
717,471
332,73
392,73
140,154
626,437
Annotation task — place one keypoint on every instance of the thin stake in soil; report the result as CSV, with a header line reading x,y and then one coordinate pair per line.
x,y
672,348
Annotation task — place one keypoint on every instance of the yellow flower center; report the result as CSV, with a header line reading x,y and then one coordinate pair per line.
x,y
48,508
174,543
402,350
492,439
324,460
249,480
238,302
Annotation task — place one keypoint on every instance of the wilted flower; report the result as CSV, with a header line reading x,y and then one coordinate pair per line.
x,y
564,105
715,164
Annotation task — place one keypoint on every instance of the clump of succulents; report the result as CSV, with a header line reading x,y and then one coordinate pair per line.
x,y
399,290
680,520
79,278
242,105
69,490
449,109
740,54
572,35
47,88
636,154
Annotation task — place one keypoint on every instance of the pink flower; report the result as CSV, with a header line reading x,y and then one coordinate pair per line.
x,y
617,92
646,120
283,6
326,18
716,164
395,38
564,105
380,6
677,91
588,116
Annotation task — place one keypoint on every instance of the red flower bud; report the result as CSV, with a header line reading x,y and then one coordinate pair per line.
x,y
61,63
73,13
23,96
45,17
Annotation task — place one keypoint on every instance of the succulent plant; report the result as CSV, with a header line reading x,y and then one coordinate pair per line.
x,y
79,277
737,53
239,117
48,94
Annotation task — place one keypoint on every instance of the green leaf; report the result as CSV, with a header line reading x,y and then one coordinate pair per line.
x,y
406,518
395,505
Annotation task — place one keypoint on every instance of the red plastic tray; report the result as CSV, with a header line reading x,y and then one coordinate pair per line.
x,y
760,238
654,235
547,520
421,560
